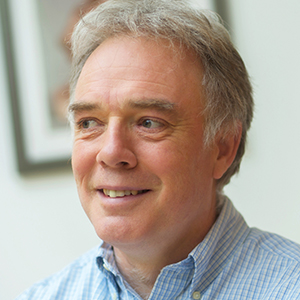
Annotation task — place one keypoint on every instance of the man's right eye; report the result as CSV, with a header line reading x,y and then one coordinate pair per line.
x,y
87,124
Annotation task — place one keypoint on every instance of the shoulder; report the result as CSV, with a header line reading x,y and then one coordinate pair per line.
x,y
273,245
60,283
272,261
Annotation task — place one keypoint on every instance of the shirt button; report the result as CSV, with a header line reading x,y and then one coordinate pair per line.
x,y
196,295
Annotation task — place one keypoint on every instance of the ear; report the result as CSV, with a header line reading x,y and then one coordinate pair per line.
x,y
227,147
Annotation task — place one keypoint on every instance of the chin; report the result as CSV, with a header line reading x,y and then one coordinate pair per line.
x,y
119,231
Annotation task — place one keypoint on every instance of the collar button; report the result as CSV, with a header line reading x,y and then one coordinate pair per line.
x,y
196,295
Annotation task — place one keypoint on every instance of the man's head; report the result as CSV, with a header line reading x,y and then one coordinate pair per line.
x,y
160,101
228,100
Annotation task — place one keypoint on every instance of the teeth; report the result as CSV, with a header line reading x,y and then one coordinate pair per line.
x,y
134,193
120,193
114,194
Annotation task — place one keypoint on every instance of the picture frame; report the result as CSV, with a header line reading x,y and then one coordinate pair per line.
x,y
34,69
37,67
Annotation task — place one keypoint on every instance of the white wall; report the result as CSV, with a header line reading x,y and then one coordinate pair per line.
x,y
42,226
267,191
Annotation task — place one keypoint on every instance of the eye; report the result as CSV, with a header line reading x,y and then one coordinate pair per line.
x,y
151,124
87,124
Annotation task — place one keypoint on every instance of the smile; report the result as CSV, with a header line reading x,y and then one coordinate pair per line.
x,y
116,194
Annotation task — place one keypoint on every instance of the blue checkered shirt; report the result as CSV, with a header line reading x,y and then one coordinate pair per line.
x,y
232,262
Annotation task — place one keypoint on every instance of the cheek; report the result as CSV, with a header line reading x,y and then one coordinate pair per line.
x,y
173,156
83,159
182,166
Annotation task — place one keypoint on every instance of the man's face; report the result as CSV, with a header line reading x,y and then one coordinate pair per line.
x,y
143,175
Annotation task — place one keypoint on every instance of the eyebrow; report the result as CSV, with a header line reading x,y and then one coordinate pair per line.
x,y
83,106
159,104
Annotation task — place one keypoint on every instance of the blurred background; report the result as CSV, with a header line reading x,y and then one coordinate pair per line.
x,y
42,225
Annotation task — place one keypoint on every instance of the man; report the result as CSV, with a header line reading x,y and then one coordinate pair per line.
x,y
160,105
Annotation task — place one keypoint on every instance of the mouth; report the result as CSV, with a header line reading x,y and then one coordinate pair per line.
x,y
119,194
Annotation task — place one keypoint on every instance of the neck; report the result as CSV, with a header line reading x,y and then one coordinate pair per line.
x,y
140,276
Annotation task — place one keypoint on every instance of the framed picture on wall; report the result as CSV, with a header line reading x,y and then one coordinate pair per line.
x,y
36,34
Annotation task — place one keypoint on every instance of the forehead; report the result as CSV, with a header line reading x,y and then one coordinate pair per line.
x,y
158,52
139,68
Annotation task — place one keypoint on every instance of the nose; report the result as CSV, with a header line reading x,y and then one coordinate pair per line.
x,y
115,149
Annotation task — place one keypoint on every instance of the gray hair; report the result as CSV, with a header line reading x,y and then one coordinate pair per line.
x,y
228,99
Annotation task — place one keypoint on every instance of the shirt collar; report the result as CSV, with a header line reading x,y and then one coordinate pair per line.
x,y
224,238
106,258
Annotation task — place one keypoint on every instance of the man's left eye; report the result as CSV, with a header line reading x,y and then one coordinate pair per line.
x,y
151,124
